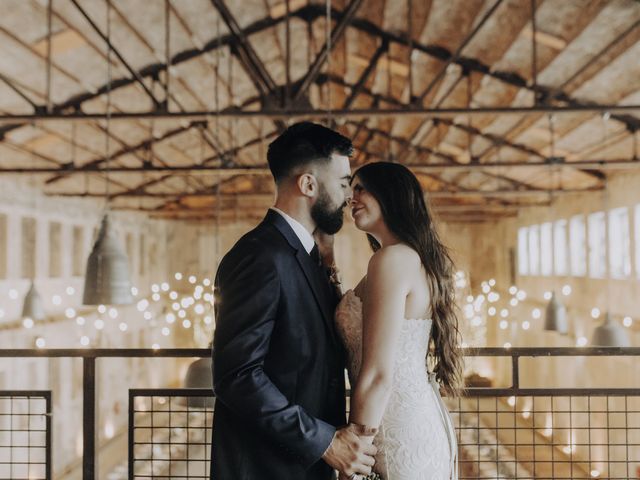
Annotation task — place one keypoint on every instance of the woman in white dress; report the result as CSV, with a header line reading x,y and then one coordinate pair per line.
x,y
400,313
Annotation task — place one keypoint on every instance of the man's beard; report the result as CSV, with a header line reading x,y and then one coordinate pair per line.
x,y
327,218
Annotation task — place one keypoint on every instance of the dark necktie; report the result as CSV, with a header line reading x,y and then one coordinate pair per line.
x,y
315,255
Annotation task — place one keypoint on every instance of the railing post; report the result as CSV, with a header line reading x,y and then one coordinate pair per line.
x,y
515,371
89,461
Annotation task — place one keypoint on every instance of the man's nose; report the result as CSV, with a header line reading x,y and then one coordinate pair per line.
x,y
349,196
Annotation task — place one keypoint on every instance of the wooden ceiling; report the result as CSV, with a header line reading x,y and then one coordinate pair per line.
x,y
495,104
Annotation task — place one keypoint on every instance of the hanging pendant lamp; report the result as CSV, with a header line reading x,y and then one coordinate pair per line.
x,y
556,316
107,280
610,334
33,307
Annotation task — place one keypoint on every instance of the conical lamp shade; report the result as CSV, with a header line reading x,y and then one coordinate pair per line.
x,y
107,280
610,334
556,316
33,307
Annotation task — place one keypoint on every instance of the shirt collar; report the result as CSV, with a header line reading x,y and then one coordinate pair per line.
x,y
301,232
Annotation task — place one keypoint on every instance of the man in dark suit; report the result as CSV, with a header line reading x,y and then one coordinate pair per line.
x,y
278,365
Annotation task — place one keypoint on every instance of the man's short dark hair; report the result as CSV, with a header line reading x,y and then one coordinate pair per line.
x,y
304,143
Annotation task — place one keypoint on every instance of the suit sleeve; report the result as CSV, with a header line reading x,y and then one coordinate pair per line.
x,y
247,292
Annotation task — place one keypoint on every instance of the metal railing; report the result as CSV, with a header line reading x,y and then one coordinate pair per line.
x,y
25,434
511,432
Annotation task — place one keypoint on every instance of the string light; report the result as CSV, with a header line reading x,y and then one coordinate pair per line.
x,y
134,291
113,313
192,279
165,331
504,324
595,313
27,322
627,321
178,276
84,340
99,324
547,295
13,294
80,321
170,318
536,313
186,323
40,342
566,290
70,291
123,327
56,300
102,309
525,325
70,313
581,341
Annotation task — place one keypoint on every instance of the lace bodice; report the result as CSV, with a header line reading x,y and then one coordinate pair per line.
x,y
416,439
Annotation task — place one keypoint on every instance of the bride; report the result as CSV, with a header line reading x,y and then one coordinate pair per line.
x,y
401,311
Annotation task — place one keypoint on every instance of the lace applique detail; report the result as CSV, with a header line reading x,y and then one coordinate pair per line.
x,y
413,443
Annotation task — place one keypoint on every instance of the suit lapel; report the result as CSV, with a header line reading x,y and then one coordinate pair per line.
x,y
319,285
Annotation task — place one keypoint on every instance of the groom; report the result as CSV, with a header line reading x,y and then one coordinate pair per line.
x,y
278,366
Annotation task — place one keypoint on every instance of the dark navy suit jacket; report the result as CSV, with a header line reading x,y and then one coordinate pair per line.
x,y
278,365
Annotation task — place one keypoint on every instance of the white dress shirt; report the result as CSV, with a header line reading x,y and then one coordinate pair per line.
x,y
302,233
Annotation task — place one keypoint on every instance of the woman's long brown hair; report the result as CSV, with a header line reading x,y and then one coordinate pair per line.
x,y
405,213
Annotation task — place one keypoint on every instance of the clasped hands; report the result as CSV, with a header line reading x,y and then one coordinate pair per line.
x,y
351,452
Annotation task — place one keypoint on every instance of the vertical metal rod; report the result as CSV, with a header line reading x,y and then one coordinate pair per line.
x,y
131,436
329,48
167,51
89,433
49,436
515,372
287,90
534,54
49,27
410,38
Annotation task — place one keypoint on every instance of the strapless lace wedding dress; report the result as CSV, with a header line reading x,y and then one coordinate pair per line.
x,y
416,440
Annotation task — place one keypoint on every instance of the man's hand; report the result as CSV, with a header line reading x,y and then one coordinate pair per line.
x,y
350,454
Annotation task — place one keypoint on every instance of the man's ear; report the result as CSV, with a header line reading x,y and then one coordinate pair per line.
x,y
307,184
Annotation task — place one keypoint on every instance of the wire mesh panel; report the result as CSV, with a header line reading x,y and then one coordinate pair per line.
x,y
170,433
548,436
25,435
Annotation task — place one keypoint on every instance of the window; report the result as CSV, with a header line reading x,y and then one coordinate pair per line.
x,y
523,254
534,249
619,243
28,247
3,245
55,250
578,248
78,251
142,257
597,245
560,247
637,238
546,249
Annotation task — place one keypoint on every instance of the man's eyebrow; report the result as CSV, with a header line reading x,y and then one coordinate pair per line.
x,y
347,177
